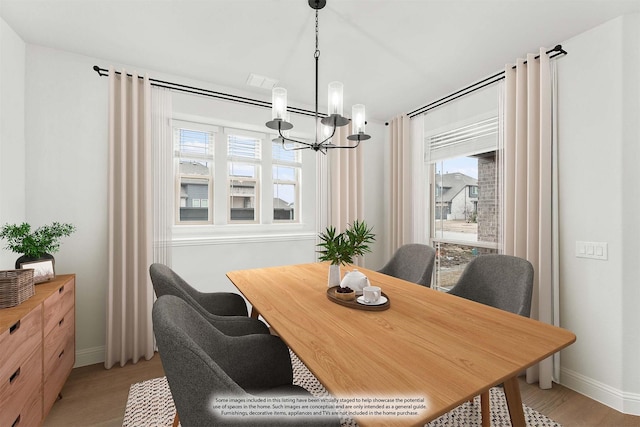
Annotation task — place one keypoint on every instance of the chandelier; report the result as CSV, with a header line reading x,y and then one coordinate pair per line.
x,y
331,122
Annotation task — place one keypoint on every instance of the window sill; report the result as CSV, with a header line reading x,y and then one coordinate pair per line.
x,y
197,235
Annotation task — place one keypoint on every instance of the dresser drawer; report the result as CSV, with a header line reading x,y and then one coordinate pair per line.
x,y
56,305
58,371
27,416
20,340
17,391
57,341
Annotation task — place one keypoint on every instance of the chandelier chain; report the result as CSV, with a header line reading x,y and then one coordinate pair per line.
x,y
317,52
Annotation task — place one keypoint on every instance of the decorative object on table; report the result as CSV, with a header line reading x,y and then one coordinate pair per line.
x,y
345,293
334,119
43,270
35,245
371,294
383,303
341,248
16,286
355,280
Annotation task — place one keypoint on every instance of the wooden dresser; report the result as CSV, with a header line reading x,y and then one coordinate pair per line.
x,y
37,352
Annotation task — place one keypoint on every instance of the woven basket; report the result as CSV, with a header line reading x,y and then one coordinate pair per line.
x,y
16,286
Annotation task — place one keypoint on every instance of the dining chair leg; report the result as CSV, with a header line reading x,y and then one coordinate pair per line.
x,y
484,409
176,421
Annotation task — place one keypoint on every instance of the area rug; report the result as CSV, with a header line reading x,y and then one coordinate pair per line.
x,y
150,404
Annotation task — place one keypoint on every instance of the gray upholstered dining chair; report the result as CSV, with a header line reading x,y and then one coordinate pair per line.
x,y
201,363
501,281
412,262
227,311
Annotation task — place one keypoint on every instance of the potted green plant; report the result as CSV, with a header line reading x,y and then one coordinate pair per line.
x,y
37,244
341,248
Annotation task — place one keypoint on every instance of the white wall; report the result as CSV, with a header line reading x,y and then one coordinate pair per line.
x,y
630,215
66,133
599,201
12,139
66,144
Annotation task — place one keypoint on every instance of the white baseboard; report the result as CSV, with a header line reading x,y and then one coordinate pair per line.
x,y
89,356
627,403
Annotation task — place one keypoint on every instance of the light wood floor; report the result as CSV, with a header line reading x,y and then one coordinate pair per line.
x,y
94,396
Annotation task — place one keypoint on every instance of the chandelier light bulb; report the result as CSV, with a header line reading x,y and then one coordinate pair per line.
x,y
335,98
279,103
357,118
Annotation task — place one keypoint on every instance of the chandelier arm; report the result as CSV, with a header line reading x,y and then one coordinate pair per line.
x,y
329,137
294,148
343,146
295,141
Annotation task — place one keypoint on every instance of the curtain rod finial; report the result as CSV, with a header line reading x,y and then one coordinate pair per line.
x,y
97,70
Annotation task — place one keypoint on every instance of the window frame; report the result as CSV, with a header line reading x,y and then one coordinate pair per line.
x,y
178,156
295,164
254,162
221,229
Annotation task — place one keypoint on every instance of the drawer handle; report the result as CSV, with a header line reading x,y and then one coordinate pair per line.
x,y
61,353
15,375
16,422
61,290
61,322
14,327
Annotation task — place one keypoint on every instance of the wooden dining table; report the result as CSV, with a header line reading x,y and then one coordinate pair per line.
x,y
438,349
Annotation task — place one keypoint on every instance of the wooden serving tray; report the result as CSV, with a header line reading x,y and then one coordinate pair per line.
x,y
331,294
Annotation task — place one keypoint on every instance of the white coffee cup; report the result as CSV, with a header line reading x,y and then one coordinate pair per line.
x,y
371,294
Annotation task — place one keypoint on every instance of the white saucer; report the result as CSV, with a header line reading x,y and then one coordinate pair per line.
x,y
381,301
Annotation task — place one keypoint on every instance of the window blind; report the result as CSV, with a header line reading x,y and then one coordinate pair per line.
x,y
243,148
474,138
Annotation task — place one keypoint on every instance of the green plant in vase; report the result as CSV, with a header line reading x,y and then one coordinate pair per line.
x,y
37,244
341,248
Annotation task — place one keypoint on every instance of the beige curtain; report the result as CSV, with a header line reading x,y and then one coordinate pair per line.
x,y
401,226
526,160
344,176
130,219
163,184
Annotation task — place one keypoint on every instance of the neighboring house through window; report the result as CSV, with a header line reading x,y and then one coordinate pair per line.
x,y
286,179
194,157
463,176
244,155
263,181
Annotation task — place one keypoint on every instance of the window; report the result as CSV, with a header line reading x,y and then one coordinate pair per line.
x,y
193,155
286,177
463,175
250,180
244,157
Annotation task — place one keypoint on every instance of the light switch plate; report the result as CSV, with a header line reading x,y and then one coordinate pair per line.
x,y
592,250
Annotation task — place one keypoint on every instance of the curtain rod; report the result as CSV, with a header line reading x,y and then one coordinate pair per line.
x,y
475,86
103,72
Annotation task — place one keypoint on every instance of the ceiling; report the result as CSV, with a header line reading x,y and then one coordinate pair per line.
x,y
392,55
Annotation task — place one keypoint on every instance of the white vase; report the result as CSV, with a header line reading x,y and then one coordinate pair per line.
x,y
334,275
